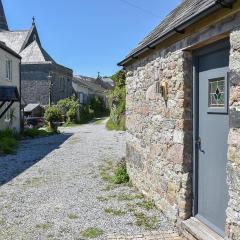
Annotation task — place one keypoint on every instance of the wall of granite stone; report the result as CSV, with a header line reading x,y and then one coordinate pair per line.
x,y
159,132
35,83
233,171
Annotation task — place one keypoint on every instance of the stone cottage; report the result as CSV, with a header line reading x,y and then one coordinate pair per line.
x,y
86,88
10,91
183,117
43,80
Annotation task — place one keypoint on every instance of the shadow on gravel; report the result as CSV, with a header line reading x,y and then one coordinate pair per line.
x,y
29,153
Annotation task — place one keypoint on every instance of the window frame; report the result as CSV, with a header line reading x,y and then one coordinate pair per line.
x,y
8,69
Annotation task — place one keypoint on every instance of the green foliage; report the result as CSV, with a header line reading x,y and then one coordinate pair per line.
x,y
119,127
147,205
92,232
148,223
117,101
52,115
98,106
120,174
115,174
8,142
114,212
69,108
33,133
86,114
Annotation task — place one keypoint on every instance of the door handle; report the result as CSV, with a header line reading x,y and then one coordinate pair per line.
x,y
199,145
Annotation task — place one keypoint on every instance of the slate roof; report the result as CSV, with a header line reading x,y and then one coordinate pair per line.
x,y
3,21
35,53
30,107
14,39
187,10
89,83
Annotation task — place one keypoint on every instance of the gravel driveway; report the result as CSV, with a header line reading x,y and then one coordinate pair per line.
x,y
52,189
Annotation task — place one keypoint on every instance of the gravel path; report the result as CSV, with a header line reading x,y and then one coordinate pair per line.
x,y
52,189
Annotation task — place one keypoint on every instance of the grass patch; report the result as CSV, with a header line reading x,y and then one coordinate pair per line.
x,y
114,212
126,197
72,216
102,199
118,127
34,133
2,221
44,226
120,174
69,124
8,142
149,223
147,205
99,121
115,174
32,183
92,232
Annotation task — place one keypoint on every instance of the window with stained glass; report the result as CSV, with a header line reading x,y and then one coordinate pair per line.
x,y
216,95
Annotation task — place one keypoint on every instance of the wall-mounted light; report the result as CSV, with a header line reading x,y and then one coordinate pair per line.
x,y
164,90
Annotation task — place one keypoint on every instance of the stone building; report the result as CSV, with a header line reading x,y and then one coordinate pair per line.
x,y
86,88
9,89
183,117
37,65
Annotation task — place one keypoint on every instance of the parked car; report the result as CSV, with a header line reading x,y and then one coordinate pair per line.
x,y
34,122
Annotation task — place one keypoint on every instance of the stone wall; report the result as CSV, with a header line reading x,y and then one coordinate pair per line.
x,y
233,211
159,136
35,83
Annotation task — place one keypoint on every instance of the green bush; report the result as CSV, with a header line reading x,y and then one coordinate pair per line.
x,y
72,115
69,108
53,115
117,101
97,105
8,142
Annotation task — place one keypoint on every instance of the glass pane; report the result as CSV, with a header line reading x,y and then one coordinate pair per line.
x,y
216,95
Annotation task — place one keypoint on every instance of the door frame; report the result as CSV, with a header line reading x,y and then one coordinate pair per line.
x,y
223,44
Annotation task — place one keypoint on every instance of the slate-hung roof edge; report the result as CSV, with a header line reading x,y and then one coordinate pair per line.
x,y
187,13
9,50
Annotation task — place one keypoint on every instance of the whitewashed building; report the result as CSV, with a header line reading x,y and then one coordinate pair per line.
x,y
10,85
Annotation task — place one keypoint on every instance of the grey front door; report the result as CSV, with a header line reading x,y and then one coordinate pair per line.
x,y
211,139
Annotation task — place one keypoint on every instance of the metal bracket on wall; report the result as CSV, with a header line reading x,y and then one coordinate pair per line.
x,y
179,31
7,108
224,4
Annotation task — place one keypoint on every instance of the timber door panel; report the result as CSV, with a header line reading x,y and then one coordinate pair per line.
x,y
211,140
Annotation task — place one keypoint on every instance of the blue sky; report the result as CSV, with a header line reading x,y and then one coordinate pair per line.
x,y
89,35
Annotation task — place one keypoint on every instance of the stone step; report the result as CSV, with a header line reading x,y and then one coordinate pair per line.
x,y
193,229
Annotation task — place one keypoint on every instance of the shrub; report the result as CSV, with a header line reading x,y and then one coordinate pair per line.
x,y
97,105
86,114
69,108
52,115
117,101
8,142
72,115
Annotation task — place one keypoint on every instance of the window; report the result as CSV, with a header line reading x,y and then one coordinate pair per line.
x,y
217,101
216,96
9,70
7,114
81,98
